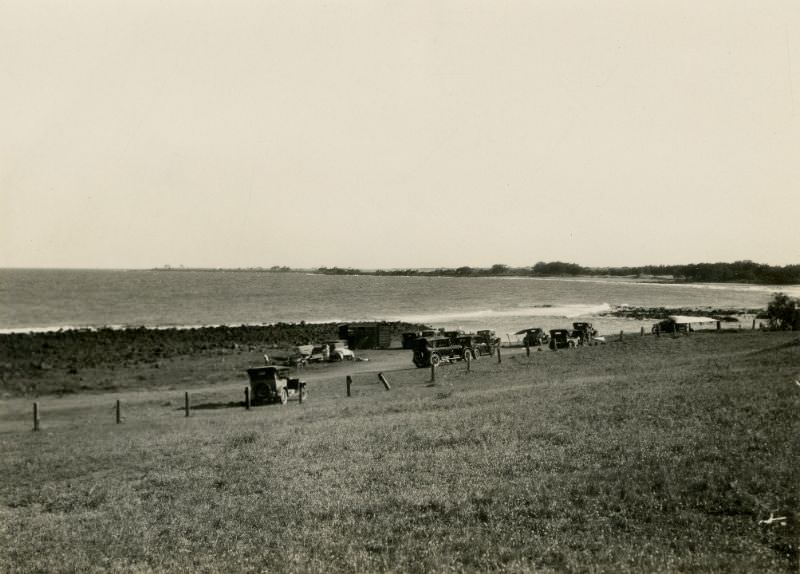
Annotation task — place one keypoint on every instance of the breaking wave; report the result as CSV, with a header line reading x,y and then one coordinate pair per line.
x,y
560,311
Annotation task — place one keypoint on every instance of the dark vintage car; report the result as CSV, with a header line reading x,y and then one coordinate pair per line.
x,y
670,326
273,385
534,337
584,331
433,350
475,345
488,337
411,336
563,339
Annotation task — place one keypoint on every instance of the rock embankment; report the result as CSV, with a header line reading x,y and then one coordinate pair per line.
x,y
645,313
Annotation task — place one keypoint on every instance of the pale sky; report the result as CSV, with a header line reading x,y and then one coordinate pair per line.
x,y
398,134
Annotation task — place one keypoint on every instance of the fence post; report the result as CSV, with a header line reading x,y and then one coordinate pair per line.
x,y
349,382
719,325
187,404
658,331
620,336
468,359
527,349
433,373
247,398
499,355
300,387
35,416
642,330
384,381
119,414
754,325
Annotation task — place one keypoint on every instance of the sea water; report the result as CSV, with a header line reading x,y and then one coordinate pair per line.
x,y
51,299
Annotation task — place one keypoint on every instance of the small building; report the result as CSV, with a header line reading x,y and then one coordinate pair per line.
x,y
374,335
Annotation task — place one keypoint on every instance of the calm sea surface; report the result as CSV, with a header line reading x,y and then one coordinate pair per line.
x,y
52,299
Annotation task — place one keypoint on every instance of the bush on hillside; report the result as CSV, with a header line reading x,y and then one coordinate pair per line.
x,y
784,312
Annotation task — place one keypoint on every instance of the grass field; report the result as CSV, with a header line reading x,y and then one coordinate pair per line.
x,y
655,454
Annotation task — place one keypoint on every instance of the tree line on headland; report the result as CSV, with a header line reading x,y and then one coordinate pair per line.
x,y
736,272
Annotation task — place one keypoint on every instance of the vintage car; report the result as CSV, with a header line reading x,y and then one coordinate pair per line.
x,y
339,351
534,337
434,350
272,384
452,335
411,336
671,326
584,331
476,345
563,339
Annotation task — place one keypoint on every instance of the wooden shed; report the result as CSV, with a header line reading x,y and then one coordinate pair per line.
x,y
375,335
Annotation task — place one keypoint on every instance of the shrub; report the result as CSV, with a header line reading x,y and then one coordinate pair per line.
x,y
783,312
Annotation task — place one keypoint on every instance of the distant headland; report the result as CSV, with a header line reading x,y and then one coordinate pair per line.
x,y
736,272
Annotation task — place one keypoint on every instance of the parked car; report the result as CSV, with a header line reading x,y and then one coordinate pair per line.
x,y
670,326
534,337
433,350
476,345
339,351
584,331
452,335
318,354
563,339
489,339
293,357
273,385
411,336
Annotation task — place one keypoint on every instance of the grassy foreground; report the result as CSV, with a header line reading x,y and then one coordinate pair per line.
x,y
656,454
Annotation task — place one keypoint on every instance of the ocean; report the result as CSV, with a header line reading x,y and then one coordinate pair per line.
x,y
52,299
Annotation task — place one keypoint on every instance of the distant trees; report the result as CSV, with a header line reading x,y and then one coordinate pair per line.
x,y
736,272
560,268
784,312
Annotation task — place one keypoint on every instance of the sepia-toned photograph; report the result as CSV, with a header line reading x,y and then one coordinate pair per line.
x,y
399,286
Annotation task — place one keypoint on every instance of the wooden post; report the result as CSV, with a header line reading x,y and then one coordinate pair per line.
x,y
468,359
499,355
187,404
620,336
119,414
658,331
384,381
643,331
349,382
433,373
754,325
247,398
719,325
35,416
527,349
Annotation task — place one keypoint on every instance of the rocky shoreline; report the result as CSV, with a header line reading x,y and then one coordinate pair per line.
x,y
657,313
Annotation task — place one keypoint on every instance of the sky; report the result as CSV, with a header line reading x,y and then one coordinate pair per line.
x,y
395,134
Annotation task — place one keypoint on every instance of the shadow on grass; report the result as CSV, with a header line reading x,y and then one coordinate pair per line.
x,y
215,406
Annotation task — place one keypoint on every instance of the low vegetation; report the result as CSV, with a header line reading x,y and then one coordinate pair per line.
x,y
654,454
81,360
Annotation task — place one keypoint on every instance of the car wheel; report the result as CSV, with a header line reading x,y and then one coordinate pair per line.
x,y
284,396
435,360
